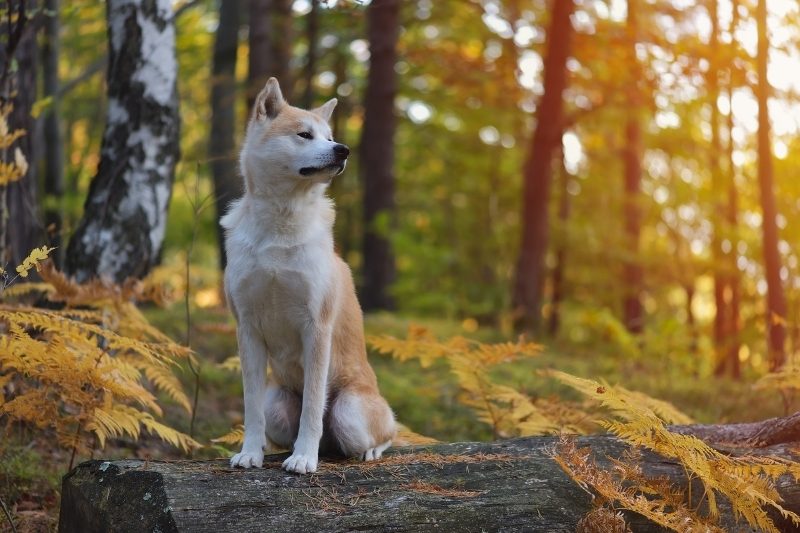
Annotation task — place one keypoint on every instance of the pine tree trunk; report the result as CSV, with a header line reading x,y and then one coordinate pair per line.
x,y
124,218
24,229
719,267
270,39
377,153
310,68
538,172
222,149
633,312
776,301
564,204
53,138
733,341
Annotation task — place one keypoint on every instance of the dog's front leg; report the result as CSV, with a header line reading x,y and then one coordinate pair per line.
x,y
316,360
253,354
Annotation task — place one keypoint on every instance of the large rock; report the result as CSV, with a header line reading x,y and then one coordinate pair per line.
x,y
505,486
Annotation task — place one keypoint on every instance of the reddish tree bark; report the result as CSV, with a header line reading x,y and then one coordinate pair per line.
x,y
538,172
564,205
719,266
776,301
632,274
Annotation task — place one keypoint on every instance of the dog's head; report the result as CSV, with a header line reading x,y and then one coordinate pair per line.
x,y
287,143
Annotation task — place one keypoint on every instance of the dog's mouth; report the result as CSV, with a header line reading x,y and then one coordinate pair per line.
x,y
310,171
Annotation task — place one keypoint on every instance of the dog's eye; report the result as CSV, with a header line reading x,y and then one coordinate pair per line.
x,y
305,135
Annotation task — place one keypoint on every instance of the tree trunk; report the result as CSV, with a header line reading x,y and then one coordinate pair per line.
x,y
24,229
776,301
310,68
691,321
270,39
538,172
561,252
633,312
124,218
376,153
734,283
511,486
770,432
718,217
222,149
53,138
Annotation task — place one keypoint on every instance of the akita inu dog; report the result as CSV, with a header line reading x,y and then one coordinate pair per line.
x,y
294,299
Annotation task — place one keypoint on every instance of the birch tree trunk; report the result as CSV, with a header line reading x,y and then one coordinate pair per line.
x,y
124,218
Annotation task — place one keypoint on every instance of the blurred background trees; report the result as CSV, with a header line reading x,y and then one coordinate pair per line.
x,y
596,166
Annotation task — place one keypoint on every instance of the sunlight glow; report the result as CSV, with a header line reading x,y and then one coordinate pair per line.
x,y
489,135
530,67
418,112
573,152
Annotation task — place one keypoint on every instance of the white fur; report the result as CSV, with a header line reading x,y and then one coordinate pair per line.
x,y
281,268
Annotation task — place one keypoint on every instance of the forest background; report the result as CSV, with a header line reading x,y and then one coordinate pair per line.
x,y
614,180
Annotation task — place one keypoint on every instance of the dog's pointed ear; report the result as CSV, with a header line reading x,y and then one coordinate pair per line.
x,y
269,101
326,109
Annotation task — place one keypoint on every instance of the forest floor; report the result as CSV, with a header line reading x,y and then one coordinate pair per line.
x,y
424,399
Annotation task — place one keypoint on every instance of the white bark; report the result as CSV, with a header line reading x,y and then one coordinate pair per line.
x,y
125,214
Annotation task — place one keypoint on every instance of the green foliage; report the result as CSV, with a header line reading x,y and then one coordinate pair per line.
x,y
22,471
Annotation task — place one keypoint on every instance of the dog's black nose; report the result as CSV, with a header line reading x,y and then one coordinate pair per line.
x,y
341,150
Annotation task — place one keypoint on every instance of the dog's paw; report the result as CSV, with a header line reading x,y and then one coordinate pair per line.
x,y
376,452
248,459
301,463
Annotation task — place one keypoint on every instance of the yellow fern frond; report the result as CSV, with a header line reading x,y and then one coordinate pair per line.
x,y
22,289
165,380
659,506
123,420
507,411
232,364
36,256
81,371
748,484
170,435
234,437
406,437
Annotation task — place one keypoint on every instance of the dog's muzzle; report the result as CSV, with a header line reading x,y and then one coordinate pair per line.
x,y
340,153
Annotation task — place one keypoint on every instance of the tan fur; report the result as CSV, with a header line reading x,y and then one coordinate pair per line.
x,y
294,298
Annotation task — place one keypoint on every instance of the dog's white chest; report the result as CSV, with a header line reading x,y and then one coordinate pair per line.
x,y
280,290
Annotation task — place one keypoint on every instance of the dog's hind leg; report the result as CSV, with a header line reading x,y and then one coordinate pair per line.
x,y
253,353
282,411
361,423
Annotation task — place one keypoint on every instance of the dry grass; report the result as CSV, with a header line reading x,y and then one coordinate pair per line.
x,y
324,497
329,466
429,488
603,520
